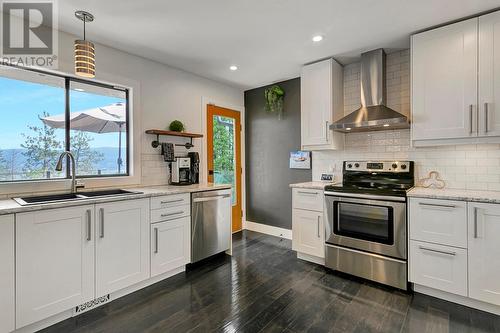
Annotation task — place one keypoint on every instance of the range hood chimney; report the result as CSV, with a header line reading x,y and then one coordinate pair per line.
x,y
373,115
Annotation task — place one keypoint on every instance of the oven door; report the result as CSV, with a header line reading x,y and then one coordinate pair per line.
x,y
376,226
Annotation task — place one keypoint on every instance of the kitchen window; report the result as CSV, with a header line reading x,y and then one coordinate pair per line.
x,y
43,114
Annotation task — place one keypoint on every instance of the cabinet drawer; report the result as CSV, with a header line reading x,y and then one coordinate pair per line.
x,y
170,201
305,198
165,214
438,221
440,267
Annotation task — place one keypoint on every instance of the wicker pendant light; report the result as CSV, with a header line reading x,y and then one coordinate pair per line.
x,y
84,50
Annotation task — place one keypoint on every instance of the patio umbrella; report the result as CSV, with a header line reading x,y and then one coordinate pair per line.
x,y
106,119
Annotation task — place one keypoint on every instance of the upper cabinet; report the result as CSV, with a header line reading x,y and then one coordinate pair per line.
x,y
455,71
321,87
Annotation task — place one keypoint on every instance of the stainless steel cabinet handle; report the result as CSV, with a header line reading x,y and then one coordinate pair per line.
x,y
438,251
156,240
475,222
171,201
436,205
89,225
319,218
101,226
486,117
173,213
327,129
470,118
306,192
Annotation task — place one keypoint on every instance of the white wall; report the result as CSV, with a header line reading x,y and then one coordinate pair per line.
x,y
160,95
461,166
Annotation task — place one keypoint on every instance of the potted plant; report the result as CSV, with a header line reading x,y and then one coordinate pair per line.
x,y
274,97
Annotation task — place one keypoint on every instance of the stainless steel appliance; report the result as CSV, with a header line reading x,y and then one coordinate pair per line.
x,y
366,229
373,114
180,171
210,223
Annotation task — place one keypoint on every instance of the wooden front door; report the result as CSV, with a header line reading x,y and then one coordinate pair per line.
x,y
224,154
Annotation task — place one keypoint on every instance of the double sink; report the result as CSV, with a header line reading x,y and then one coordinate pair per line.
x,y
52,198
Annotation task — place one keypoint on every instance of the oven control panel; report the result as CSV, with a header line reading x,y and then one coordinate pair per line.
x,y
377,166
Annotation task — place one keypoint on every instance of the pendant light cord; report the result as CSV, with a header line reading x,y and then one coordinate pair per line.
x,y
84,19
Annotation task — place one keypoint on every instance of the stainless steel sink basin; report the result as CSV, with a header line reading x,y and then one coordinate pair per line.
x,y
44,199
103,193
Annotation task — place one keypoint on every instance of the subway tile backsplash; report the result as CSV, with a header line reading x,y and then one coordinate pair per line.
x,y
474,166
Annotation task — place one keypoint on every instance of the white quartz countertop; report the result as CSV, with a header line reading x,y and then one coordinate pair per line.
x,y
317,185
9,206
455,194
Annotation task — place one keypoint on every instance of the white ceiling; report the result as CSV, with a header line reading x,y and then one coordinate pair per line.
x,y
268,40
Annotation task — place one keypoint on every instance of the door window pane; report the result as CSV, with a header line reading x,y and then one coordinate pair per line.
x,y
367,222
224,153
29,147
98,123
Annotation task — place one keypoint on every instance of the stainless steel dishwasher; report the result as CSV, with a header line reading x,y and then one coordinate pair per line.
x,y
210,223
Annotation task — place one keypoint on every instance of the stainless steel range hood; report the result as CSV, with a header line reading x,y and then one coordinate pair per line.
x,y
373,115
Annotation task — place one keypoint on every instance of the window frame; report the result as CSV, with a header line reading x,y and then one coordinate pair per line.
x,y
67,128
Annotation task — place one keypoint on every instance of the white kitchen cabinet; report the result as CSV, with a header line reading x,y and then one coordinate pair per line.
x,y
484,251
321,91
438,221
489,74
308,199
122,245
54,262
7,276
444,82
170,245
439,267
308,235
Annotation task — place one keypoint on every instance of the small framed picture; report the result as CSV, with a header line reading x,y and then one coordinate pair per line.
x,y
300,160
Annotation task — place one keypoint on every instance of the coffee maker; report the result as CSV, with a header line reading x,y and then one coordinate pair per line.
x,y
180,171
195,167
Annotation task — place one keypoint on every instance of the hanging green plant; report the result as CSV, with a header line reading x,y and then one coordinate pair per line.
x,y
274,96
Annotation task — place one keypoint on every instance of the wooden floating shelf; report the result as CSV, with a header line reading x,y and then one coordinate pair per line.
x,y
172,133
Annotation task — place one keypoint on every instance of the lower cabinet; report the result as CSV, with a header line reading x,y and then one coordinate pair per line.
x,y
54,262
170,245
308,234
484,252
122,245
439,267
7,282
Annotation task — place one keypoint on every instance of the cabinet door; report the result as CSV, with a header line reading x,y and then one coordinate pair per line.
x,y
439,267
484,251
54,262
7,300
489,74
170,245
444,82
316,102
308,234
122,245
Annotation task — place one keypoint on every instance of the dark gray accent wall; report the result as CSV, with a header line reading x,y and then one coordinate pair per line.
x,y
268,143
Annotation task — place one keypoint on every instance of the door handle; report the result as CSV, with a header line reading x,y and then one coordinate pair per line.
x,y
486,117
437,251
319,218
475,222
89,225
101,226
211,172
470,118
156,240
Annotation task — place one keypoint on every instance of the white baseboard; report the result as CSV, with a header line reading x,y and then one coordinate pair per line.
x,y
471,303
267,229
314,259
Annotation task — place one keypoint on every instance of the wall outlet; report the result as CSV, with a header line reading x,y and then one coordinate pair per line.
x,y
327,177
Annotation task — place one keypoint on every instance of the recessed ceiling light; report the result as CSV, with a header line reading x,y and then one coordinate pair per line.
x,y
79,89
317,38
348,129
386,125
233,67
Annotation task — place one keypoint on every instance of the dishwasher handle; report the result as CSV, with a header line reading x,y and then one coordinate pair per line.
x,y
212,198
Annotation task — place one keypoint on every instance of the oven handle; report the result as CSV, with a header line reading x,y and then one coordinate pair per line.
x,y
375,255
366,196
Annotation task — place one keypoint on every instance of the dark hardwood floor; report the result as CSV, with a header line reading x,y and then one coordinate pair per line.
x,y
264,288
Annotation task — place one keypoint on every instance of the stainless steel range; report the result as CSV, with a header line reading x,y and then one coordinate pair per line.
x,y
366,230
